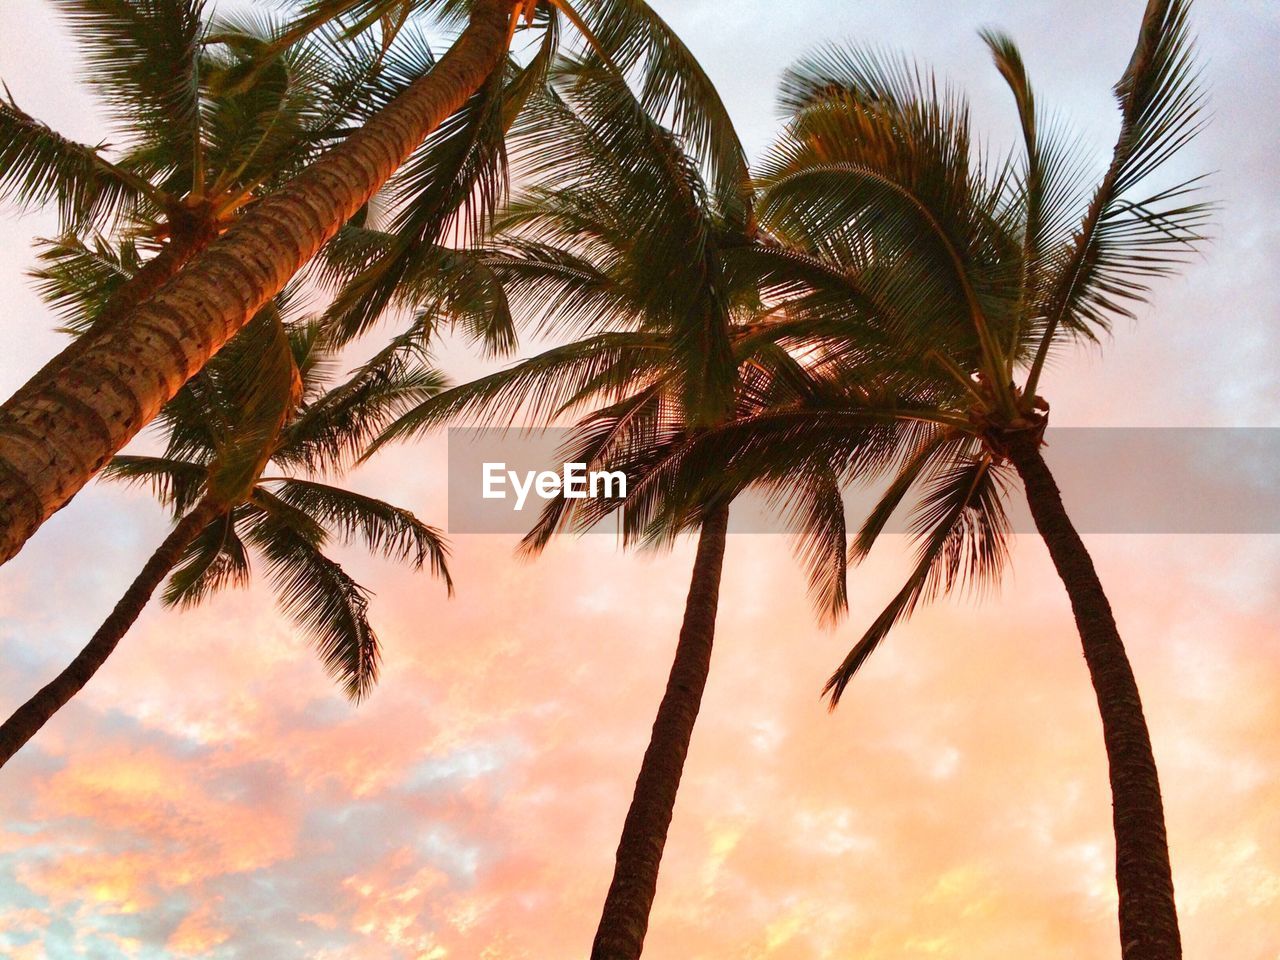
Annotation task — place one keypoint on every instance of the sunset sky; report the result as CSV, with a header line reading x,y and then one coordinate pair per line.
x,y
212,794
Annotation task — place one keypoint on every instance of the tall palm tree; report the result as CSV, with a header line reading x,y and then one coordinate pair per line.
x,y
662,276
247,438
972,273
72,417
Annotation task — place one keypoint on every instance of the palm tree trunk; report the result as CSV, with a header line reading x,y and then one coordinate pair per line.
x,y
56,434
185,242
27,720
625,918
1148,916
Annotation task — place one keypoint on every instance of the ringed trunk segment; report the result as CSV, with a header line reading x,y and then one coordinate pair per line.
x,y
1144,878
185,242
29,718
625,918
53,439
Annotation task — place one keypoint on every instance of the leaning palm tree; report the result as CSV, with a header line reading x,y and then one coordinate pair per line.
x,y
81,409
973,273
247,439
663,278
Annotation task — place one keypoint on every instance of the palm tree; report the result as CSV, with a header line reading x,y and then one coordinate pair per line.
x,y
971,274
64,425
246,437
662,276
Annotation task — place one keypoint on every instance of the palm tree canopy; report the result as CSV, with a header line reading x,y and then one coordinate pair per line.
x,y
625,34
179,147
447,193
256,451
618,240
951,279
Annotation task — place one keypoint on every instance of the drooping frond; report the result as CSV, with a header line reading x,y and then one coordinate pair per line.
x,y
962,534
176,483
919,461
214,560
388,530
329,606
612,438
39,166
813,508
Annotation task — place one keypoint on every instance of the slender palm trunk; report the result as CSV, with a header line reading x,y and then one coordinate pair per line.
x,y
54,436
625,918
27,720
1148,917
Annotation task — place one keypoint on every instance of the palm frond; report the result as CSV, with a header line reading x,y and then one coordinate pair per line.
x,y
262,387
214,560
1123,241
611,438
323,599
336,428
672,86
176,483
377,270
388,530
962,534
540,386
78,278
143,57
38,166
814,509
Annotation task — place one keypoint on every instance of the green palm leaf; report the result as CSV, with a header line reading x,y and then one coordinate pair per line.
x,y
388,530
330,607
962,534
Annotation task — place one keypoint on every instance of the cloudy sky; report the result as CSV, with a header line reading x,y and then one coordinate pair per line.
x,y
212,795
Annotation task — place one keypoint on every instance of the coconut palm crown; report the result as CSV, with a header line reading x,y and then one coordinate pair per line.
x,y
262,463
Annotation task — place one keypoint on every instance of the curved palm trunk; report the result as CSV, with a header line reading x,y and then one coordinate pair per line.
x,y
625,918
27,720
58,431
1148,917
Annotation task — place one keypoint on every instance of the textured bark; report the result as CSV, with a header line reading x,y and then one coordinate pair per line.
x,y
53,439
186,240
27,720
1148,916
625,918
